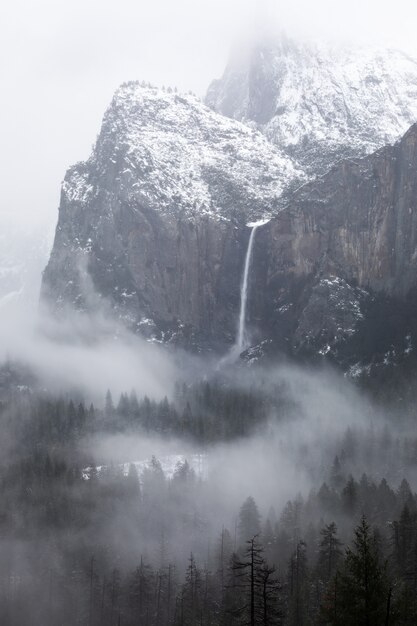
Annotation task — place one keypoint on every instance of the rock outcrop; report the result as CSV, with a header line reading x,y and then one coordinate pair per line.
x,y
153,225
338,265
319,103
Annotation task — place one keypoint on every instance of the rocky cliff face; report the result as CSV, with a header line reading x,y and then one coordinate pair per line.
x,y
153,224
338,266
320,104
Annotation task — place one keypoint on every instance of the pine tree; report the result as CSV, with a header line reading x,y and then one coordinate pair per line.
x,y
269,540
256,588
336,475
123,408
360,592
109,406
270,611
132,483
141,593
290,520
233,597
405,561
350,496
329,558
329,552
249,524
191,596
298,587
223,555
405,497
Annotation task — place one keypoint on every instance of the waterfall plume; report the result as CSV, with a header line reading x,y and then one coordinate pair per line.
x,y
242,340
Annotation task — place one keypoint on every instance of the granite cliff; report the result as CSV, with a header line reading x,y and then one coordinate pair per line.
x,y
153,224
153,227
319,103
335,272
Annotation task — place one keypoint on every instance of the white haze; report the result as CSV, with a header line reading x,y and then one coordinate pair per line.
x,y
61,61
86,354
290,455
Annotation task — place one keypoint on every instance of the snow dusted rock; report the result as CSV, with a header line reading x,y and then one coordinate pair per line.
x,y
149,224
172,153
331,315
154,226
317,103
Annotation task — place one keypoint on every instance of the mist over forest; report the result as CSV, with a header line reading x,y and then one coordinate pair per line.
x,y
151,504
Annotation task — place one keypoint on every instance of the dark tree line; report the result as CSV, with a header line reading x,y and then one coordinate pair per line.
x,y
107,546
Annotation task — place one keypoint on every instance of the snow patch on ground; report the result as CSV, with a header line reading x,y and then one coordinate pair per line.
x,y
169,465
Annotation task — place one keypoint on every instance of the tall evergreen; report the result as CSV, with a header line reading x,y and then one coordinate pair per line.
x,y
330,552
249,524
257,587
298,590
360,594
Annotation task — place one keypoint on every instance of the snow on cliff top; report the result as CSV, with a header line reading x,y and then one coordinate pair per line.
x,y
286,111
308,99
172,153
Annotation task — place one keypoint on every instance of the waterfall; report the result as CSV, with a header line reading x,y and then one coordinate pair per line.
x,y
242,338
241,341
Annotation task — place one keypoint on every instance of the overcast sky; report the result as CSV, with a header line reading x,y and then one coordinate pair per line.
x,y
61,61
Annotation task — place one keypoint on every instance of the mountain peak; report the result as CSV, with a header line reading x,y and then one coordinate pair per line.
x,y
151,219
172,152
320,103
